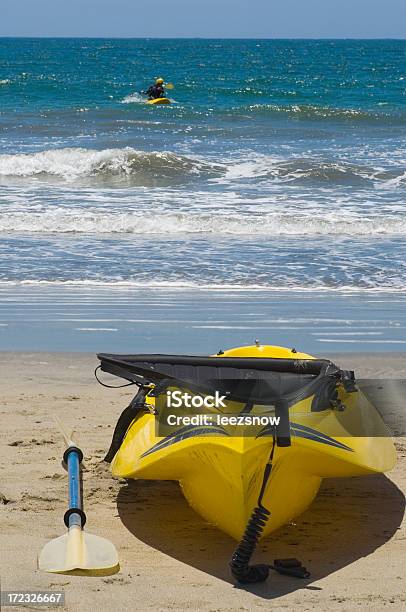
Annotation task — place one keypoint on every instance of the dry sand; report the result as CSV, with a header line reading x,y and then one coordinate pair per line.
x,y
351,538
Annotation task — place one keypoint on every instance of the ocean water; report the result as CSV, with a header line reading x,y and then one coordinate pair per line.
x,y
279,166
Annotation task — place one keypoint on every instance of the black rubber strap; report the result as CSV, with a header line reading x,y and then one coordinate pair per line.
x,y
72,449
71,511
124,422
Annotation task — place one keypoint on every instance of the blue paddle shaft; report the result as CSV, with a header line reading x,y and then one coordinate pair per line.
x,y
74,515
75,500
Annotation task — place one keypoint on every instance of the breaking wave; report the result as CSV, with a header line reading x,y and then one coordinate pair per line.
x,y
179,284
77,163
314,170
85,221
128,165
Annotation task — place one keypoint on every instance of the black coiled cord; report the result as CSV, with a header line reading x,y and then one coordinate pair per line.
x,y
239,564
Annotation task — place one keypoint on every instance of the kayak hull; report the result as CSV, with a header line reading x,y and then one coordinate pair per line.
x,y
221,476
158,101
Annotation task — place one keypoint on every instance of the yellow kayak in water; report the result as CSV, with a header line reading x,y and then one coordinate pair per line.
x,y
159,101
331,430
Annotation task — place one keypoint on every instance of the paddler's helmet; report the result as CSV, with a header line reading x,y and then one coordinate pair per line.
x,y
159,81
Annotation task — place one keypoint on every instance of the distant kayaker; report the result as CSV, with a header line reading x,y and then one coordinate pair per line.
x,y
157,90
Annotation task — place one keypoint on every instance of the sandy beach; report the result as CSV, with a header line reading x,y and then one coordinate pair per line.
x,y
352,538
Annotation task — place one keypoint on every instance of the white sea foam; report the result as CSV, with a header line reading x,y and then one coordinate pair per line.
x,y
179,285
360,340
289,223
134,98
97,329
351,333
394,182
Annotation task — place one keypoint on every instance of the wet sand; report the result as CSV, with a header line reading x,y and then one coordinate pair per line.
x,y
71,318
352,537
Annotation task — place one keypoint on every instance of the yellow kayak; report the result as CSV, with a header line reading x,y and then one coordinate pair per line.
x,y
159,101
333,431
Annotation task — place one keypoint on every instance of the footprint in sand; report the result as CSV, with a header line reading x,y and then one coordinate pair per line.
x,y
32,442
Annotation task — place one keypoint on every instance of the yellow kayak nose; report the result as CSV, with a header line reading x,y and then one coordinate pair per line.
x,y
221,473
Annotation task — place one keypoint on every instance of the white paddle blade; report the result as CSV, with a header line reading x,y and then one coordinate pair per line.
x,y
78,550
66,434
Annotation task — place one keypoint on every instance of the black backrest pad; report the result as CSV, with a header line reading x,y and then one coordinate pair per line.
x,y
261,380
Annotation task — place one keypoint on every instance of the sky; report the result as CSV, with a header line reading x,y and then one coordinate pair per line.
x,y
205,18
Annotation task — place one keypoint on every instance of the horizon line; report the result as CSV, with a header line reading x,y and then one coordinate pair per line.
x,y
105,37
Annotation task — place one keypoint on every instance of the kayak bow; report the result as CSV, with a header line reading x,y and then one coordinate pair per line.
x,y
159,101
251,483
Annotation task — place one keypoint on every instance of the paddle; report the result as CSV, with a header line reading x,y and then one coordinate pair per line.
x,y
77,551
